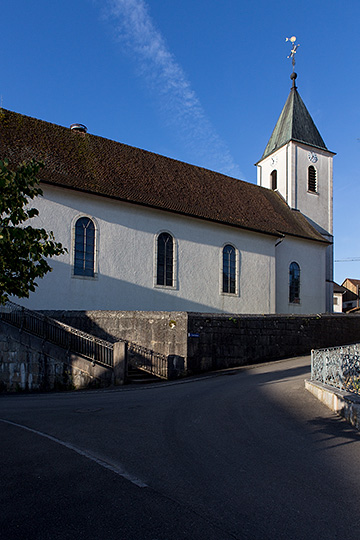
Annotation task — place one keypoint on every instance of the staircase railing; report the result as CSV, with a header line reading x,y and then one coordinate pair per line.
x,y
147,360
56,332
80,342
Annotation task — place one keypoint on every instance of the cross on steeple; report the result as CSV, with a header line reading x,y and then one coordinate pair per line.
x,y
293,50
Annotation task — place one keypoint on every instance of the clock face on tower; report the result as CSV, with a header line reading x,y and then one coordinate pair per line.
x,y
312,157
273,161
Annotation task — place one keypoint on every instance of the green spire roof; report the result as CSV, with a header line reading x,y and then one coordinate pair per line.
x,y
294,124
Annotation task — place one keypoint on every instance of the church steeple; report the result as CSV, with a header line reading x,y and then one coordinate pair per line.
x,y
294,124
297,164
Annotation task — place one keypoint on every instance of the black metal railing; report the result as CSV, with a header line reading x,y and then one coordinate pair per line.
x,y
80,342
147,360
56,332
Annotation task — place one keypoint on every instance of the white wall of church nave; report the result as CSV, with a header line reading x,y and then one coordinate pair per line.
x,y
125,267
311,258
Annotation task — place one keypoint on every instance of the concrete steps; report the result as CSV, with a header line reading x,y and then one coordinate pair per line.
x,y
137,376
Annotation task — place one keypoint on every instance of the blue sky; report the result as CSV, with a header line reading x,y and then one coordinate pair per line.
x,y
202,81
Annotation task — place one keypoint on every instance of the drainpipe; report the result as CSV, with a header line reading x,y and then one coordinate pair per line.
x,y
280,239
287,175
282,236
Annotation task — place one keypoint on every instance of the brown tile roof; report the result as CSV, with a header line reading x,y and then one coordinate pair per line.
x,y
338,288
103,167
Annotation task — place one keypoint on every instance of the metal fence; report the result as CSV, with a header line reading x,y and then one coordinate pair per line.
x,y
147,360
80,342
58,333
338,367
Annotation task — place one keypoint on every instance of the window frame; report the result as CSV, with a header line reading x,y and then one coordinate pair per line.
x,y
95,249
174,261
273,179
294,288
313,181
236,271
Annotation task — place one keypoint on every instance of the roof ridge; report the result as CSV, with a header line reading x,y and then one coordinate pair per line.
x,y
102,167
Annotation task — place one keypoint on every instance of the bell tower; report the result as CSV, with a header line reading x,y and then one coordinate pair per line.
x,y
297,164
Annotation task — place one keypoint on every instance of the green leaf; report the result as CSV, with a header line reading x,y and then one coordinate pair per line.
x,y
23,249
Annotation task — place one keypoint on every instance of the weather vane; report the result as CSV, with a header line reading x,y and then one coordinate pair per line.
x,y
293,50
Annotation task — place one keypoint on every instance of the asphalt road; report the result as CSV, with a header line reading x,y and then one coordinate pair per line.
x,y
245,454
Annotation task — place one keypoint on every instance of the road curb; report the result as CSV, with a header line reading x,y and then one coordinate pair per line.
x,y
343,403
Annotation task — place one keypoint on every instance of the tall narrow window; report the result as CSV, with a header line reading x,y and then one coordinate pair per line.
x,y
312,184
84,258
229,269
294,283
273,177
165,260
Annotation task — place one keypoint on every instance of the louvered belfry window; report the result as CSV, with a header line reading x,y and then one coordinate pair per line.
x,y
312,179
84,257
165,260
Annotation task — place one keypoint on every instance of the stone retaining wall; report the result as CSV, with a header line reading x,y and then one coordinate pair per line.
x,y
30,363
164,332
343,403
216,341
221,341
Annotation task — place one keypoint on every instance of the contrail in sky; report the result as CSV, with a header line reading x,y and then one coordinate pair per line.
x,y
165,77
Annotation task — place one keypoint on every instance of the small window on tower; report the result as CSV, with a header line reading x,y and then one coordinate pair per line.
x,y
273,177
312,184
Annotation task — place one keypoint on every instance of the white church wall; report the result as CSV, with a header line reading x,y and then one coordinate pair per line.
x,y
317,207
125,262
311,258
278,161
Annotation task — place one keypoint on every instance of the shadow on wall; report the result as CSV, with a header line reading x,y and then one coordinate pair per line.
x,y
59,290
161,332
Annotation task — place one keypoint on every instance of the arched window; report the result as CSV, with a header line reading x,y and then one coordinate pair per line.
x,y
273,177
312,184
229,269
294,283
84,256
165,260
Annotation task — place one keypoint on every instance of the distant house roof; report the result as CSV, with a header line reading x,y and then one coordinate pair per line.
x,y
294,124
355,282
339,289
352,287
88,163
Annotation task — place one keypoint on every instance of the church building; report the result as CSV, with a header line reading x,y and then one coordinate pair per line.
x,y
146,232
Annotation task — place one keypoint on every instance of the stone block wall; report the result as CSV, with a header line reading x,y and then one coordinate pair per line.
x,y
216,341
164,332
30,363
222,341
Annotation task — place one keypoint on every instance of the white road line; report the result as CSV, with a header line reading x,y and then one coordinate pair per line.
x,y
116,468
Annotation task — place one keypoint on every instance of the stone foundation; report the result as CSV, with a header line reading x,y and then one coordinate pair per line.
x,y
30,363
215,341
